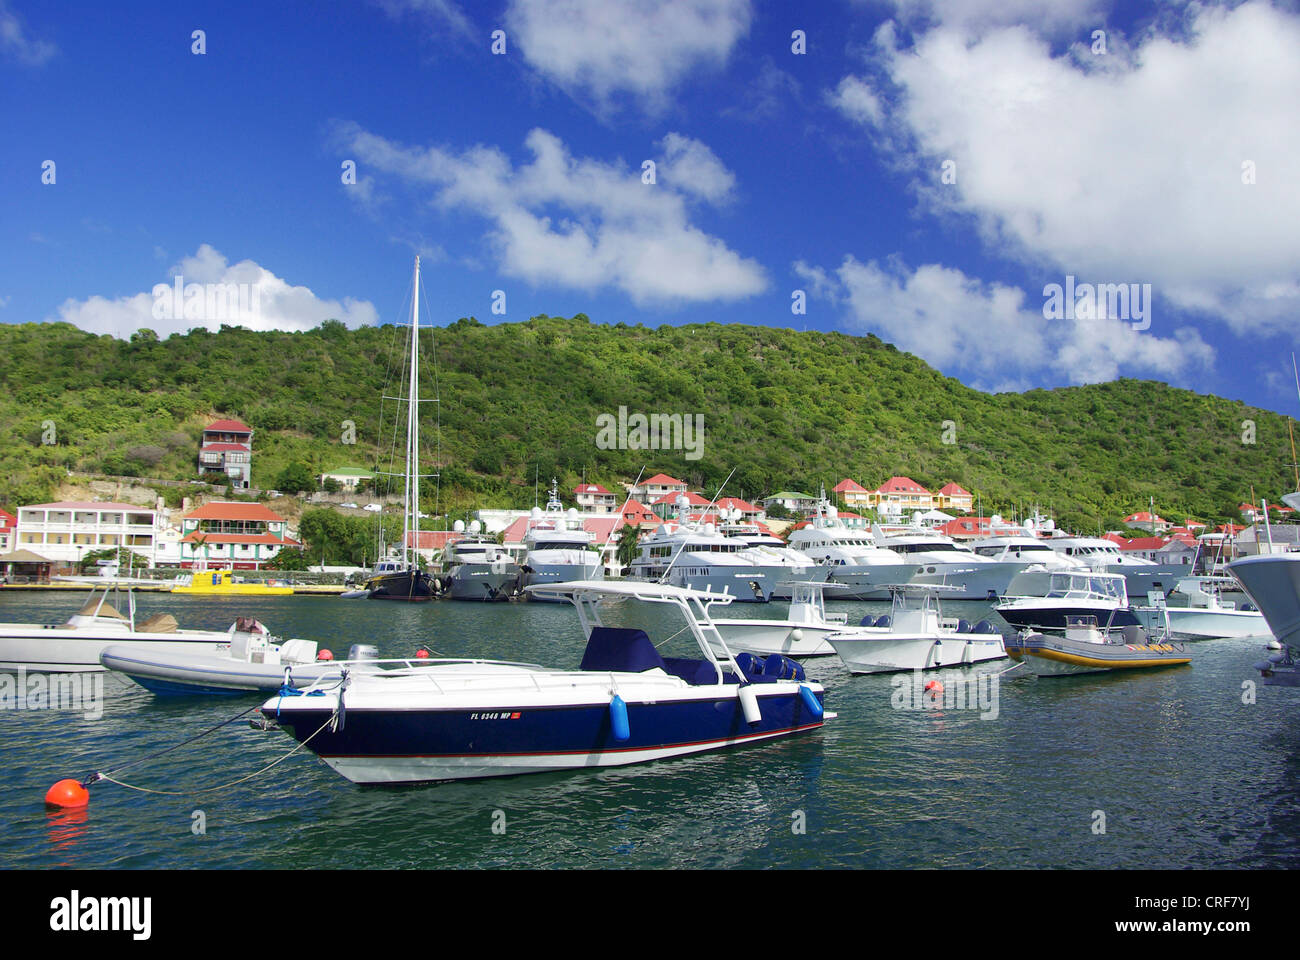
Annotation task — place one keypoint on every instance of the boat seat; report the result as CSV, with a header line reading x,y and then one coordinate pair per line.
x,y
867,621
984,626
963,626
1134,634
620,650
779,667
884,620
699,672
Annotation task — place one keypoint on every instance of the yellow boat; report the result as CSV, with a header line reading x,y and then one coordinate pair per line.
x,y
222,583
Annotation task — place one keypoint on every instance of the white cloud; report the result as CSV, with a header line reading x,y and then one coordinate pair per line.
x,y
693,168
856,100
990,333
442,14
600,50
1129,173
973,16
584,223
16,44
241,294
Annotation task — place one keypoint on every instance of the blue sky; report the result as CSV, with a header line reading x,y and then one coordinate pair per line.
x,y
923,171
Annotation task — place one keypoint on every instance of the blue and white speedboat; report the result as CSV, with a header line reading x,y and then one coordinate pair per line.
x,y
417,721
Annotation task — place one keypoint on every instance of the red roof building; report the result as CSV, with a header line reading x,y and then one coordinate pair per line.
x,y
851,493
647,491
594,498
1147,521
952,496
227,447
241,536
902,493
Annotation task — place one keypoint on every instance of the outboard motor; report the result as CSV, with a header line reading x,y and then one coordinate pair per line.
x,y
363,651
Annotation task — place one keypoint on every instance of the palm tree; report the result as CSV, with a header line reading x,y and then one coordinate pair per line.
x,y
627,544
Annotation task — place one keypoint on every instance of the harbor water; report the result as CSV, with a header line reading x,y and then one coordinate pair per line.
x,y
1185,767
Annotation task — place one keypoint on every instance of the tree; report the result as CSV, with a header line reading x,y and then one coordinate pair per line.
x,y
627,544
288,559
296,477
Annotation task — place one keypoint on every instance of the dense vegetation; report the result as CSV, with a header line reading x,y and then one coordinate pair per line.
x,y
518,401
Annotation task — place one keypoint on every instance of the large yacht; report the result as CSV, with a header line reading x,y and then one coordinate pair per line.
x,y
478,568
1141,575
701,558
937,560
863,569
765,548
558,549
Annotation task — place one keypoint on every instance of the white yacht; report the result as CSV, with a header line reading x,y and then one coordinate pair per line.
x,y
1021,547
557,548
851,556
1141,575
1273,581
937,560
700,558
765,548
478,568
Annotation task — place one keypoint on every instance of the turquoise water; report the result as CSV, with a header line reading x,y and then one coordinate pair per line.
x,y
1184,773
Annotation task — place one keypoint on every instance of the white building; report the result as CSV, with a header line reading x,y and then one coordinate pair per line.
x,y
65,532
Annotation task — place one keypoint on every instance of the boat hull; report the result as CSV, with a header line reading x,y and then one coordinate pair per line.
x,y
983,581
1190,623
1054,617
189,674
869,651
474,581
394,745
766,637
54,650
867,581
560,573
411,586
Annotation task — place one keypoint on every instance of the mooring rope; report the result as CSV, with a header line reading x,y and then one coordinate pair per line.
x,y
159,753
224,786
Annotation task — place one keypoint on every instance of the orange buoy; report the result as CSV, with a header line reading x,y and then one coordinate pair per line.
x,y
325,655
422,654
934,687
67,793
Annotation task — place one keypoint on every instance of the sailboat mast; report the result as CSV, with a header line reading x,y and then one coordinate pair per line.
x,y
411,520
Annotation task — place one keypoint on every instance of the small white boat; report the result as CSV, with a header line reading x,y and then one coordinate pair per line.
x,y
253,661
915,635
1204,614
75,646
802,633
1071,593
417,721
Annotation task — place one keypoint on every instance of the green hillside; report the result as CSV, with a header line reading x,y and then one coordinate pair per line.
x,y
787,409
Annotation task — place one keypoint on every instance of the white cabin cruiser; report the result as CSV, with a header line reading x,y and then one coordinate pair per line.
x,y
75,646
1071,594
419,721
915,635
